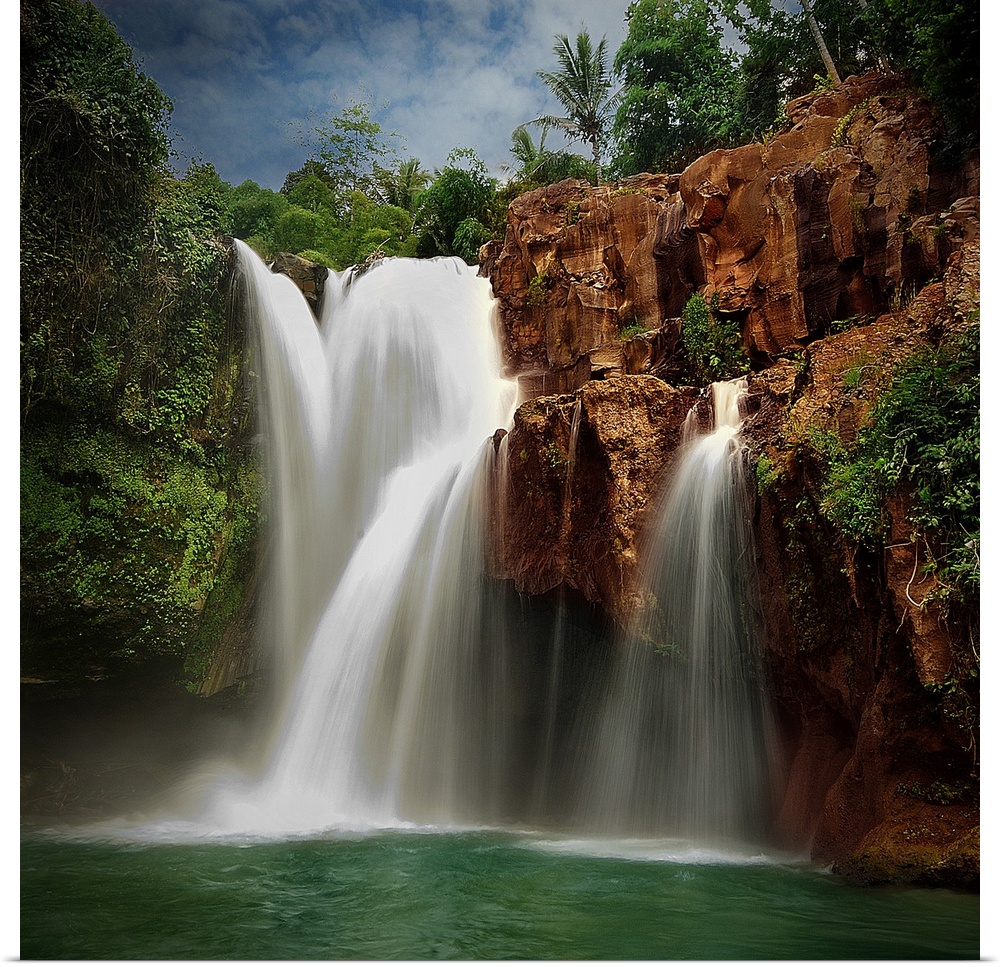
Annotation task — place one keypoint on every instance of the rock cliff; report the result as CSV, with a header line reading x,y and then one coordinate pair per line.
x,y
842,247
842,213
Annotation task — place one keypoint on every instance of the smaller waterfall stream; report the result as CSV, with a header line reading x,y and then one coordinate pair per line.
x,y
683,745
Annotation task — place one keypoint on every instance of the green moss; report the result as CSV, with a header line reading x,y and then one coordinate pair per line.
x,y
766,474
537,289
840,131
554,456
631,329
923,435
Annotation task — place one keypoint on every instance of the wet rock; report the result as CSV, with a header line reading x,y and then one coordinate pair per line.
x,y
570,501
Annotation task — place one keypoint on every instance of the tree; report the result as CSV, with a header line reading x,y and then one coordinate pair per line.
x,y
251,213
93,154
310,167
583,85
680,93
461,193
781,58
937,42
539,166
348,144
824,51
401,186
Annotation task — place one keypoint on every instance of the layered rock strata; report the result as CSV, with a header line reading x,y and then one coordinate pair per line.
x,y
841,246
838,215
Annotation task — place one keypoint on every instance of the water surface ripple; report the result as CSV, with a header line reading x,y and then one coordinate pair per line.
x,y
469,895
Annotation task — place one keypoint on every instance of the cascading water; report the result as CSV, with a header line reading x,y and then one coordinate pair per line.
x,y
378,421
411,691
683,745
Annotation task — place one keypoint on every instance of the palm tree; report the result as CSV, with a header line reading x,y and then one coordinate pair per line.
x,y
583,86
401,187
531,158
824,51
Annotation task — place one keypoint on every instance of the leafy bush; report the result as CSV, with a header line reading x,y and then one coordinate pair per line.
x,y
923,435
470,235
713,345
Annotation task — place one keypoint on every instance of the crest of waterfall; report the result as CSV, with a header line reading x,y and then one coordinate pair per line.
x,y
682,745
378,422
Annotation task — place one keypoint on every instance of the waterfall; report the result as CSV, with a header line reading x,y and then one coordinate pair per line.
x,y
412,689
682,746
379,422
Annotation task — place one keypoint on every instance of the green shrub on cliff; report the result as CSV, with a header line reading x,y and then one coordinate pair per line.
x,y
713,345
923,437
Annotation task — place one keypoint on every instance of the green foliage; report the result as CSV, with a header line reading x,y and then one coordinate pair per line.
x,y
680,87
401,186
537,166
537,289
463,190
347,144
840,132
470,235
120,539
631,329
93,147
583,86
923,436
554,456
766,474
133,403
713,345
297,229
838,326
937,41
251,212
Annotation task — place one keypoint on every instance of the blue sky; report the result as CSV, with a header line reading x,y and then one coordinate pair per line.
x,y
244,75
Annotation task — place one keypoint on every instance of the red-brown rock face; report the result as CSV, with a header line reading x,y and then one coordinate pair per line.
x,y
874,682
875,675
836,217
575,475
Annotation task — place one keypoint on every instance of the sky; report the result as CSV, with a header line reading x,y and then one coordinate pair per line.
x,y
246,75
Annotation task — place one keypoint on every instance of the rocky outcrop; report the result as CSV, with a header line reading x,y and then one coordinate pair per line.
x,y
842,248
839,215
576,475
875,673
308,276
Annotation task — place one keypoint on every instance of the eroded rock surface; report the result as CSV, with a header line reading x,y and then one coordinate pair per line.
x,y
838,215
841,223
575,475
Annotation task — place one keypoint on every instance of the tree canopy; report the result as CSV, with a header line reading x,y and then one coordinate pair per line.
x,y
680,86
584,86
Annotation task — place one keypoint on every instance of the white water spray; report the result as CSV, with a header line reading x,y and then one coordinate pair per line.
x,y
683,745
378,424
406,697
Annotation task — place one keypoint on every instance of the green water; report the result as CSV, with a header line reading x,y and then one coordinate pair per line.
x,y
405,895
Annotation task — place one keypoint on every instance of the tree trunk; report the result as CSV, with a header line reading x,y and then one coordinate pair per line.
x,y
882,59
597,159
824,51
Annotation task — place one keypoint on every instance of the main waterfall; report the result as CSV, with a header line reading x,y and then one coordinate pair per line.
x,y
411,689
378,421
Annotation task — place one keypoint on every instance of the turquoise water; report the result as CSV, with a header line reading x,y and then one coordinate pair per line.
x,y
410,895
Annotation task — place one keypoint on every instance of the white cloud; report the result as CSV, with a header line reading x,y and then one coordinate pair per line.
x,y
454,72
